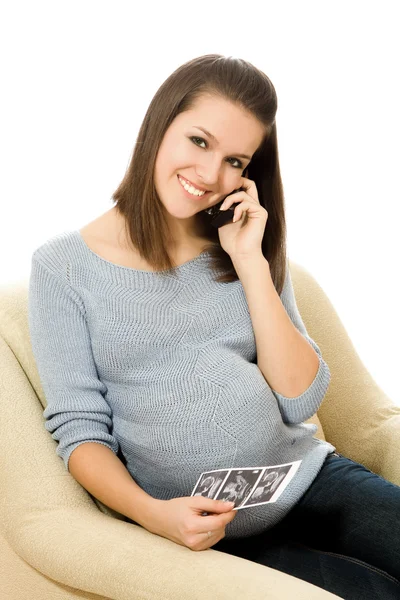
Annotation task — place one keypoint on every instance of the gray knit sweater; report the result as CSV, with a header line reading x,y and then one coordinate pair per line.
x,y
162,370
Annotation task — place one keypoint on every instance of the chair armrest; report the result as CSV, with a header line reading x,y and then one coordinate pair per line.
x,y
53,524
89,551
356,415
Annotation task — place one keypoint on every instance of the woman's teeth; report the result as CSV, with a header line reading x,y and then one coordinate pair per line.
x,y
190,188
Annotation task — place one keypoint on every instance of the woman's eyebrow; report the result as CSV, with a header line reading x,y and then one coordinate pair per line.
x,y
215,140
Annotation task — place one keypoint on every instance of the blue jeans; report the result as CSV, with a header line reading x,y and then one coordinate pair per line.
x,y
343,535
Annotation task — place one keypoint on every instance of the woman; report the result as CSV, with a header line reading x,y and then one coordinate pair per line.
x,y
168,347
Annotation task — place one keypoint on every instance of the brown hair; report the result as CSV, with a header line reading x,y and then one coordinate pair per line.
x,y
241,83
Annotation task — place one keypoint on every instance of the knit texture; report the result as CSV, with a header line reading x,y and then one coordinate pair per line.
x,y
161,369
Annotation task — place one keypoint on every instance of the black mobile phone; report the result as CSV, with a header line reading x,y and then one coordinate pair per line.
x,y
222,217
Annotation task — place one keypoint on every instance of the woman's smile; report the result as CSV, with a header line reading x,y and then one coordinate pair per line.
x,y
197,195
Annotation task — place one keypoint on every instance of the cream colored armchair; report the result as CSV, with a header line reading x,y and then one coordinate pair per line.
x,y
58,542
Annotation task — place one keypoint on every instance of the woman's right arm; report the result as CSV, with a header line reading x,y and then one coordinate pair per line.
x,y
103,475
180,520
77,413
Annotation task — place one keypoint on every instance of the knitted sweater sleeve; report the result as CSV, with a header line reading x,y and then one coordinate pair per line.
x,y
76,410
300,408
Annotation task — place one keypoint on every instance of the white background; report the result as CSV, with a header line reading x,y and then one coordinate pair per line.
x,y
77,79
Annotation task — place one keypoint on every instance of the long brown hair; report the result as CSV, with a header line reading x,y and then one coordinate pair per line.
x,y
234,80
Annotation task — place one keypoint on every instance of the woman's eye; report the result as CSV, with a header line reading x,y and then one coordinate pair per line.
x,y
238,166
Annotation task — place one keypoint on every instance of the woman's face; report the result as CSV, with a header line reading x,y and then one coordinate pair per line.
x,y
215,165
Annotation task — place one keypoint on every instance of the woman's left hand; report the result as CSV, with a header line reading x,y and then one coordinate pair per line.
x,y
242,238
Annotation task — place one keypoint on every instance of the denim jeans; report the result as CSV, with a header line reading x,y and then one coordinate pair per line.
x,y
343,535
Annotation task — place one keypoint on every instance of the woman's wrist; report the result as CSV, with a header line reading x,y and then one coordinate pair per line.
x,y
149,513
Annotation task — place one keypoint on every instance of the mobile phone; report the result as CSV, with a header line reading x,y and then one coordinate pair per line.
x,y
222,217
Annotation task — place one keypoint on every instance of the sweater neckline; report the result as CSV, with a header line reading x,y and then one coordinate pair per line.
x,y
200,256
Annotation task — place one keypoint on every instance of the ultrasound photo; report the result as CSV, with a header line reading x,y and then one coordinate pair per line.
x,y
248,486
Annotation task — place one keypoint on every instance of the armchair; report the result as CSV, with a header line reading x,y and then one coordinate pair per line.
x,y
59,542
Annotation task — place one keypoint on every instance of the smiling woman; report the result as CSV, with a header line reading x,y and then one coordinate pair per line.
x,y
154,375
207,166
225,124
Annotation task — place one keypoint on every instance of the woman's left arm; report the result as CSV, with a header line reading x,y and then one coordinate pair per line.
x,y
290,361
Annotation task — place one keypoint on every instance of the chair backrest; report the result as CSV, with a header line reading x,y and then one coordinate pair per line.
x,y
356,415
15,331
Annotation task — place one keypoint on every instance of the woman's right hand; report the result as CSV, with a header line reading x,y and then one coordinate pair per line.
x,y
181,520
